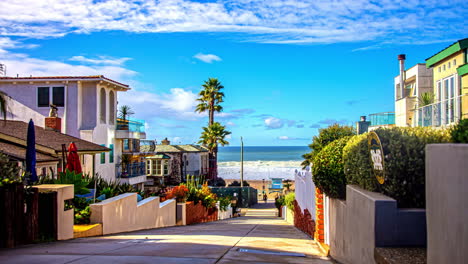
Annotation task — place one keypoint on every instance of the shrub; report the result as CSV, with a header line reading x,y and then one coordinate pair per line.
x,y
289,200
71,177
459,132
325,137
236,184
404,163
224,202
9,171
327,169
179,192
279,201
219,182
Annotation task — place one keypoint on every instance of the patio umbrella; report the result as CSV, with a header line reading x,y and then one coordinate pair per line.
x,y
31,152
73,160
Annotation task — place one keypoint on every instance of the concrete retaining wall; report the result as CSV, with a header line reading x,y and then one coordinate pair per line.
x,y
122,213
367,220
447,203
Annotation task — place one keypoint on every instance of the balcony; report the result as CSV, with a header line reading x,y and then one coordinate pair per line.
x,y
441,113
132,173
131,129
384,119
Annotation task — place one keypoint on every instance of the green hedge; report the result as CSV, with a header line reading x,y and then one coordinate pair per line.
x,y
404,162
289,200
327,169
459,132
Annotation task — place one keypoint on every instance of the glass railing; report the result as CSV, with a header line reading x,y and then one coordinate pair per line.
x,y
132,125
441,113
382,119
130,170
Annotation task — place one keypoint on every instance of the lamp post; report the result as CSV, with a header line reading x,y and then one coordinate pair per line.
x,y
242,164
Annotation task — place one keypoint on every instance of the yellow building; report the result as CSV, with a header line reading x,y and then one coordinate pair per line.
x,y
450,87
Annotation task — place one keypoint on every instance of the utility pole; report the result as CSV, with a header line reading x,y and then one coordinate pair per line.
x,y
242,164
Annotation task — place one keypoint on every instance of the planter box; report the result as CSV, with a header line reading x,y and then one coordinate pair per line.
x,y
197,213
367,220
447,203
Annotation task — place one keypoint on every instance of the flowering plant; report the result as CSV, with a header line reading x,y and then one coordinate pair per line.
x,y
179,192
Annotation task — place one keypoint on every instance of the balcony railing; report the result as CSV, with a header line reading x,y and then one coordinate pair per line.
x,y
130,170
382,119
132,125
441,113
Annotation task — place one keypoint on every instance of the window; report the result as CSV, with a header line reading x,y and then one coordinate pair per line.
x,y
166,167
158,167
449,65
454,62
103,105
111,153
126,144
58,96
439,68
443,67
148,167
43,96
111,108
103,155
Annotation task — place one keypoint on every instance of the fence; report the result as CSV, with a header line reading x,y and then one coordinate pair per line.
x,y
247,196
130,170
304,206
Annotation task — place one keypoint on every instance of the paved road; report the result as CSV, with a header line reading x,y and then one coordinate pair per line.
x,y
216,242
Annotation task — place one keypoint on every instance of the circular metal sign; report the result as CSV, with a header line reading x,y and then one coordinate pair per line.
x,y
376,156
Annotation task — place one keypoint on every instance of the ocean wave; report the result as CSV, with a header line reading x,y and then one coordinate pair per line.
x,y
258,170
262,163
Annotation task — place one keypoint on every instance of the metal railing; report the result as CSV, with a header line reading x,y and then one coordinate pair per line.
x,y
130,170
382,119
441,113
132,125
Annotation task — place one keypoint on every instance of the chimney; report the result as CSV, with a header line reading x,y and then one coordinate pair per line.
x,y
53,122
165,142
363,118
401,59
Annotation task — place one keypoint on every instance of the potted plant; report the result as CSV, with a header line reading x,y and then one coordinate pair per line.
x,y
125,112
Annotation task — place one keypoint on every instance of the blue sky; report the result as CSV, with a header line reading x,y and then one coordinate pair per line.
x,y
288,67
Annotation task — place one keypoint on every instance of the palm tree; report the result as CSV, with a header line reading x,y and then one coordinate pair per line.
x,y
210,99
3,104
212,136
426,99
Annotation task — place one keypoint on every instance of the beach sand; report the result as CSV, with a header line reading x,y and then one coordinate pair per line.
x,y
258,184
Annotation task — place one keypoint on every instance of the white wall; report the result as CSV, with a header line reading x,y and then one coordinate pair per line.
x,y
305,191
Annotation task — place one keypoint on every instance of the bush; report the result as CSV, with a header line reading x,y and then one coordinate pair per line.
x,y
9,171
325,137
404,163
179,192
236,184
459,132
219,182
224,202
327,169
279,201
289,200
71,177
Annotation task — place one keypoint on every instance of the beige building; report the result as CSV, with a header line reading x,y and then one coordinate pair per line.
x,y
409,86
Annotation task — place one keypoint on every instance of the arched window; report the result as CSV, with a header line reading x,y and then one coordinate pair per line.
x,y
103,105
111,108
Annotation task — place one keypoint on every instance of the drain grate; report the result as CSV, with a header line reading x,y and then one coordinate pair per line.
x,y
278,253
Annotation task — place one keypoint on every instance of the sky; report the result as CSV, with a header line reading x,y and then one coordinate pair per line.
x,y
288,67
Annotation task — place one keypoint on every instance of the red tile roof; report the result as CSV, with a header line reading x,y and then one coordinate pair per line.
x,y
102,77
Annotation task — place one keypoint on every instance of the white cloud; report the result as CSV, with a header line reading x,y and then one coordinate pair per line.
x,y
273,123
102,60
291,138
230,123
275,21
208,58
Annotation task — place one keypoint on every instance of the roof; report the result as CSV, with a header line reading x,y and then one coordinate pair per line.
x,y
67,78
192,148
50,141
19,152
448,51
147,146
168,148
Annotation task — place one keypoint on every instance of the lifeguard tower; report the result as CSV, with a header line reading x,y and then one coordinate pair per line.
x,y
276,185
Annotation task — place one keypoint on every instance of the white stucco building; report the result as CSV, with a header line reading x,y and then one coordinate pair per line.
x,y
87,106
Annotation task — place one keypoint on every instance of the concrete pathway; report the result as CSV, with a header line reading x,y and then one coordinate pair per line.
x,y
259,231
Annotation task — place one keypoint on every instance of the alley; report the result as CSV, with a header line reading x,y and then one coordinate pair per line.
x,y
257,237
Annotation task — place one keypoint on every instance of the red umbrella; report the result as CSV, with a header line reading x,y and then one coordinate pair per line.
x,y
73,160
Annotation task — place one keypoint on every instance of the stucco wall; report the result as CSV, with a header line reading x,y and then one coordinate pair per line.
x,y
122,213
447,203
367,220
19,111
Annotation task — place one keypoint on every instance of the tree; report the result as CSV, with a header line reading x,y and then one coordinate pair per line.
x,y
125,112
3,104
210,98
426,99
326,136
212,136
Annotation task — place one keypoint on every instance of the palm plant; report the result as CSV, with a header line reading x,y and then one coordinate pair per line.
x,y
210,99
426,99
3,104
125,112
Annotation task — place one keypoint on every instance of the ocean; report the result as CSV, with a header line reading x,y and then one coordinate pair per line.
x,y
260,162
